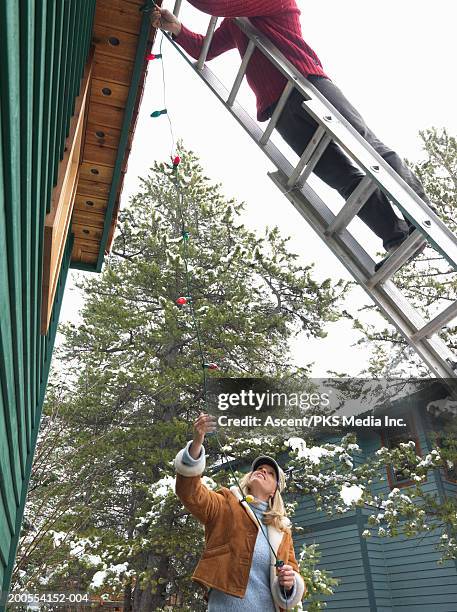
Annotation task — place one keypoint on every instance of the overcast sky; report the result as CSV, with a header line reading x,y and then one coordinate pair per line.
x,y
394,60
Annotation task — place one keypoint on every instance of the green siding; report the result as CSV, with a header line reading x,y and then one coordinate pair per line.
x,y
382,574
342,555
449,487
43,50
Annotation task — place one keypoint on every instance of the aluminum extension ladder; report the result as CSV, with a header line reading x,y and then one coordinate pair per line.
x,y
292,181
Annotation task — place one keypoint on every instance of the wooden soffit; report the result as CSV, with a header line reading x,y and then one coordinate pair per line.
x,y
116,35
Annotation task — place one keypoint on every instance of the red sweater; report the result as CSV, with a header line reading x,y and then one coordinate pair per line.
x,y
279,21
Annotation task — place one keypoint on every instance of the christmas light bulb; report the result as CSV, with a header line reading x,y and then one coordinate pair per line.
x,y
157,113
250,499
181,301
176,160
153,56
211,366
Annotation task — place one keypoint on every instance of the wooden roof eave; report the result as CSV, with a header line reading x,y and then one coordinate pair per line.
x,y
105,197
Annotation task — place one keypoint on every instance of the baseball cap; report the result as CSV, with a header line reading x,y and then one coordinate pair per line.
x,y
265,460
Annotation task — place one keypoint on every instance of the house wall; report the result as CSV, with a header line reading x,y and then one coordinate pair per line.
x,y
342,554
43,49
381,574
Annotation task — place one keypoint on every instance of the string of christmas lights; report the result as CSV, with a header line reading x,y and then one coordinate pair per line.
x,y
187,300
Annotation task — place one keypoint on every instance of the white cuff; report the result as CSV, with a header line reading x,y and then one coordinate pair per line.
x,y
290,596
296,595
196,467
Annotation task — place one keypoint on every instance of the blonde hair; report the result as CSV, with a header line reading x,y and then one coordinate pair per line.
x,y
276,513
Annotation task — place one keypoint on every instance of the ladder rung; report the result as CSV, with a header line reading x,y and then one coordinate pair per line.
x,y
276,113
310,161
353,204
206,43
177,8
241,72
436,324
311,147
397,259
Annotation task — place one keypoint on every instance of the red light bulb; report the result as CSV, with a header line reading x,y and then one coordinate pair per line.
x,y
181,301
176,160
212,366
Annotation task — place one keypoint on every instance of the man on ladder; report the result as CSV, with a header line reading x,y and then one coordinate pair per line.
x,y
279,21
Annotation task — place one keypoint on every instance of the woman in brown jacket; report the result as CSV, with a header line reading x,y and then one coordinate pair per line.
x,y
238,564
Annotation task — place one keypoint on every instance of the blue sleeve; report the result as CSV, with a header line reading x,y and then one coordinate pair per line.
x,y
187,459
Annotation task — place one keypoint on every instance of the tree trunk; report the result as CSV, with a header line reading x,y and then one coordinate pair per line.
x,y
145,600
159,598
128,598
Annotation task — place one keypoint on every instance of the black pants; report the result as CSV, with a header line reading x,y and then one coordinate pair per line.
x,y
335,168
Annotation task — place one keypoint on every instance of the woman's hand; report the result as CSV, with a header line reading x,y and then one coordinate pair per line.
x,y
286,576
204,424
163,19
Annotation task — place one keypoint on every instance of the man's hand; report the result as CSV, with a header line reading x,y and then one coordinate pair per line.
x,y
286,576
163,19
202,425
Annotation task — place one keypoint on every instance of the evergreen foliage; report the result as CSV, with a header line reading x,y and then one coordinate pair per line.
x,y
129,386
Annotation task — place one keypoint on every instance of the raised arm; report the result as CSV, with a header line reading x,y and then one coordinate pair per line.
x,y
190,41
190,465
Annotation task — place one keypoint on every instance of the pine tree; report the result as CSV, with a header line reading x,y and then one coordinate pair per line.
x,y
130,383
133,372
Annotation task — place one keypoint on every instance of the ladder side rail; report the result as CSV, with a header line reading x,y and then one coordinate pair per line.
x,y
387,297
360,150
240,114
